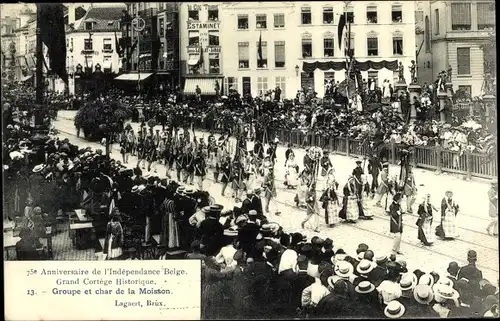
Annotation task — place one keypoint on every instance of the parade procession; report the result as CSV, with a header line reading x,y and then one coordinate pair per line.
x,y
371,194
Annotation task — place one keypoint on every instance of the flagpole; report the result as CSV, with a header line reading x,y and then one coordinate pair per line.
x,y
39,137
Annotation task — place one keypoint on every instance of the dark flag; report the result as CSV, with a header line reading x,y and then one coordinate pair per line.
x,y
200,61
341,28
54,37
132,49
119,49
156,51
259,50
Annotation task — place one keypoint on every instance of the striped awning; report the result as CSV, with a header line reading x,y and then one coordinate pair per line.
x,y
133,77
207,86
26,78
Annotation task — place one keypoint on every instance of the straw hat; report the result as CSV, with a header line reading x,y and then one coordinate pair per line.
x,y
408,281
361,255
138,188
252,213
364,267
444,292
344,269
381,259
426,279
189,191
332,279
423,294
38,168
241,218
394,310
205,209
364,287
180,190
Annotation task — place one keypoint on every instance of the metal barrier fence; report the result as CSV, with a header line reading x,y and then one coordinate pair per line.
x,y
431,158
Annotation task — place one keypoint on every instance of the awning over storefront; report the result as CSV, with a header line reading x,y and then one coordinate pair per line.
x,y
106,65
133,77
207,85
193,61
26,78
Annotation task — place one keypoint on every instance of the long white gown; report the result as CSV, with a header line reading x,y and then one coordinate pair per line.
x,y
291,173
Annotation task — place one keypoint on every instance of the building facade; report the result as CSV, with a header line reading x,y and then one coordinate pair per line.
x,y
459,29
201,55
157,48
293,35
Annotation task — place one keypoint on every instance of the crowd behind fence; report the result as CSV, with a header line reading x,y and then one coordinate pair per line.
x,y
433,158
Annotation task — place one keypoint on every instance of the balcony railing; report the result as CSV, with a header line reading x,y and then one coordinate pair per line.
x,y
107,50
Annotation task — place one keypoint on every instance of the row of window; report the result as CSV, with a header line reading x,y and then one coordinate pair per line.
x,y
461,16
213,14
328,51
194,38
89,45
306,17
263,84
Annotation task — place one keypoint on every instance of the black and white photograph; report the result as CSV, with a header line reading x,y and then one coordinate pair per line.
x,y
320,160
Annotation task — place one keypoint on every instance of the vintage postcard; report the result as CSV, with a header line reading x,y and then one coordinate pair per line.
x,y
249,160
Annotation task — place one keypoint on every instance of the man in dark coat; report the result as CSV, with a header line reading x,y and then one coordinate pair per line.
x,y
211,232
396,223
247,235
374,168
471,272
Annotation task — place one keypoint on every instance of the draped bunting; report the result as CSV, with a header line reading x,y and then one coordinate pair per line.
x,y
340,65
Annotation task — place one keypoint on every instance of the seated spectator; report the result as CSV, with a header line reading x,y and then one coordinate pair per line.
x,y
27,247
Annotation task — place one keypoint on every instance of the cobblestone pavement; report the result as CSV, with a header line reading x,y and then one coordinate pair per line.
x,y
470,195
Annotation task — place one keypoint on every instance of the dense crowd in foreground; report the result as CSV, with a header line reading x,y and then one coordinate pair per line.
x,y
252,268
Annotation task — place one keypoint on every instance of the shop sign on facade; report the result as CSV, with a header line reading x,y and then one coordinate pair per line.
x,y
212,25
213,49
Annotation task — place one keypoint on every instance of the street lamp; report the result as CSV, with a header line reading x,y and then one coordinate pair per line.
x,y
297,68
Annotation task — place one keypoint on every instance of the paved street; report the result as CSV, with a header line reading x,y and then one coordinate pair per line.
x,y
470,195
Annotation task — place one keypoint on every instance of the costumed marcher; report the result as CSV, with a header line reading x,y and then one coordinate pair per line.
x,y
237,180
374,168
225,169
448,230
269,191
330,205
292,169
326,166
350,208
189,166
383,189
410,190
305,182
312,211
114,237
396,226
424,222
493,208
200,169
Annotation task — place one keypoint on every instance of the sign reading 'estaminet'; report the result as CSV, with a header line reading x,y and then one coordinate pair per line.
x,y
103,290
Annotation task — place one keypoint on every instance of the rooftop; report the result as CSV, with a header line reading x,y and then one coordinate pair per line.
x,y
103,18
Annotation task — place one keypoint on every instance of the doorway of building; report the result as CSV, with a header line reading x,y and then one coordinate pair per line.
x,y
247,86
307,80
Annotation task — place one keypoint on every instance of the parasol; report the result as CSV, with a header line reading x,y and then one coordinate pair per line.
x,y
350,85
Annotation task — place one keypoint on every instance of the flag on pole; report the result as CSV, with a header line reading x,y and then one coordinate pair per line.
x,y
341,29
259,50
119,49
54,36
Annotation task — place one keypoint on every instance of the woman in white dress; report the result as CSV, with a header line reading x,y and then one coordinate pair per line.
x,y
114,238
386,90
305,180
449,212
292,174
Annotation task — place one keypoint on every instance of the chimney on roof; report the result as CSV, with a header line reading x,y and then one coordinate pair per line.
x,y
71,13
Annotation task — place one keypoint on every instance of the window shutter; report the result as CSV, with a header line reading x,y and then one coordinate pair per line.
x,y
463,61
279,51
485,14
460,14
243,53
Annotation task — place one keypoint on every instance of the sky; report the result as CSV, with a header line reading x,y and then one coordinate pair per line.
x,y
13,9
